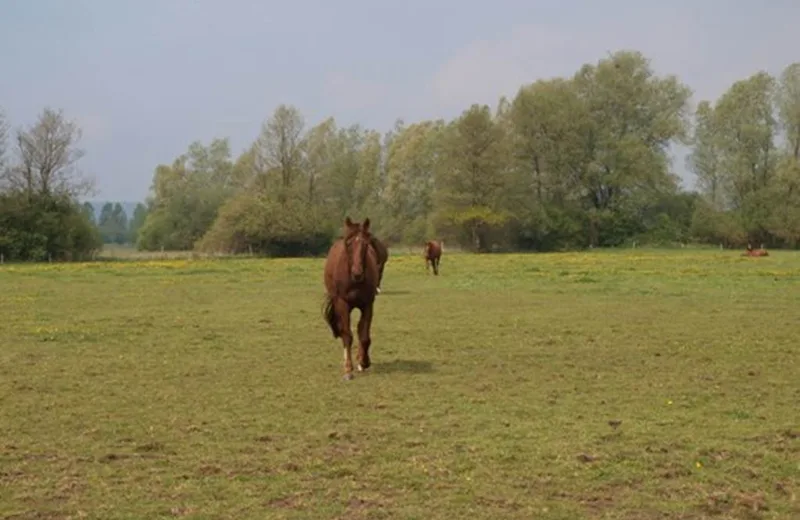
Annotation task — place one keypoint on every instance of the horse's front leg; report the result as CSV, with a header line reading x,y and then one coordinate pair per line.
x,y
364,339
343,312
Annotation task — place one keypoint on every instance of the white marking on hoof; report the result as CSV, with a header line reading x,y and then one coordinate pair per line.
x,y
360,368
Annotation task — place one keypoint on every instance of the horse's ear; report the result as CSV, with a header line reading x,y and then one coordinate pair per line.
x,y
365,225
348,222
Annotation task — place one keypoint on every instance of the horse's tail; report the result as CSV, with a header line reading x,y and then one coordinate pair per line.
x,y
329,312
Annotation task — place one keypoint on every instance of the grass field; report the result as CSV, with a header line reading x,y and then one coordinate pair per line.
x,y
632,384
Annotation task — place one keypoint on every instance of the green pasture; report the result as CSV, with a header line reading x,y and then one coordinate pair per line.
x,y
629,384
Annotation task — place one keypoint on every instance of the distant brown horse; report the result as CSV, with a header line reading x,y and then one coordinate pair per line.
x,y
755,252
351,280
383,256
433,255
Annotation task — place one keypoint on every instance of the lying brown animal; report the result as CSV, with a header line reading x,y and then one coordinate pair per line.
x,y
755,252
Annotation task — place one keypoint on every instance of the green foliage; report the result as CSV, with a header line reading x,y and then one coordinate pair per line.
x,y
788,102
781,207
572,162
632,116
255,223
136,223
88,210
567,163
113,224
668,220
472,178
713,226
40,217
411,160
40,228
187,195
279,151
704,159
746,150
301,188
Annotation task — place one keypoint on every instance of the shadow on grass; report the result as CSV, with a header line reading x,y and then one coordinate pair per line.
x,y
393,293
408,366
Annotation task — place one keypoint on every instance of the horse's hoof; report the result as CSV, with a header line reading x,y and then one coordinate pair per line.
x,y
348,376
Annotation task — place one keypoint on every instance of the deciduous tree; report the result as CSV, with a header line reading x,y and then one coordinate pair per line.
x,y
47,154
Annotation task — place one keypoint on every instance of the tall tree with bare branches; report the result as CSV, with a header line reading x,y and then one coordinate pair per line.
x,y
47,154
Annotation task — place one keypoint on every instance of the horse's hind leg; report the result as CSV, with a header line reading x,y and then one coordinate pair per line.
x,y
343,312
436,267
364,339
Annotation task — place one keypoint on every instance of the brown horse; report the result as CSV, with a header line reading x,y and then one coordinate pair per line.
x,y
433,255
383,256
351,280
755,252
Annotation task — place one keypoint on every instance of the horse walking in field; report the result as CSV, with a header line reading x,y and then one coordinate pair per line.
x,y
433,255
352,275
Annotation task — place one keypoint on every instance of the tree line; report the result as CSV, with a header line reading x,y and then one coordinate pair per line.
x,y
575,162
40,217
114,224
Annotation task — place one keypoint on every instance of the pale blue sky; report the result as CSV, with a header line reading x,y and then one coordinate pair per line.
x,y
144,78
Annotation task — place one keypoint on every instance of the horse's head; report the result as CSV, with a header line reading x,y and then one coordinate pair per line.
x,y
356,241
430,247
